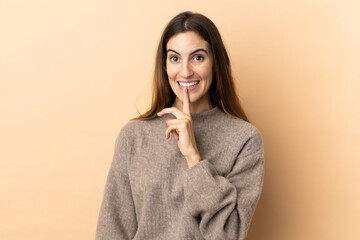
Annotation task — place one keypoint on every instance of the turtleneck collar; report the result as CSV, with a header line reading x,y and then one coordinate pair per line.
x,y
205,114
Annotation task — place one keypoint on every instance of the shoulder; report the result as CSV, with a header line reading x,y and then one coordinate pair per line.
x,y
129,128
244,139
242,133
243,126
137,128
237,126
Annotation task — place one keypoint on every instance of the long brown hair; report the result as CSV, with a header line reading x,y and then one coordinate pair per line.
x,y
222,92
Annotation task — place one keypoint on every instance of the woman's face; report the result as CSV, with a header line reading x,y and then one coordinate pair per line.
x,y
189,64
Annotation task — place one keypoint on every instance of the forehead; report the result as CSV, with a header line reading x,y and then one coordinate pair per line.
x,y
187,42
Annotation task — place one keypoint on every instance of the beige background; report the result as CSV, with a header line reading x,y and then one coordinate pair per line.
x,y
73,72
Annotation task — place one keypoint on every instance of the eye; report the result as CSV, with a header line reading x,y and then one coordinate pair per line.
x,y
173,59
199,58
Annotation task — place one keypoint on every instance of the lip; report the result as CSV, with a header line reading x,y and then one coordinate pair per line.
x,y
189,88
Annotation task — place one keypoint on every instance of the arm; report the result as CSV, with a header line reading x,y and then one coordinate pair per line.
x,y
117,218
225,205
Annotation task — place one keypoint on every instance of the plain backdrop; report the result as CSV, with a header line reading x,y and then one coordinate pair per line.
x,y
73,72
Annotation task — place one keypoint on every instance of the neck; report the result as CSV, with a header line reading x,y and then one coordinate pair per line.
x,y
194,107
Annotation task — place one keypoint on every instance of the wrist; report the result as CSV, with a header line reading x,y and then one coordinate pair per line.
x,y
193,159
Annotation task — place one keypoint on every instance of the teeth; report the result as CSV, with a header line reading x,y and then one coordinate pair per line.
x,y
189,84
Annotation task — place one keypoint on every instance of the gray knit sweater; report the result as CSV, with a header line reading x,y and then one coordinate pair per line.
x,y
151,193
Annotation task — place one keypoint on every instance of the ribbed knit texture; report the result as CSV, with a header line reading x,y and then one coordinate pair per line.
x,y
151,193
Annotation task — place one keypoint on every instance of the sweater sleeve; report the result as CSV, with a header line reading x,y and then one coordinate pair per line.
x,y
225,204
117,218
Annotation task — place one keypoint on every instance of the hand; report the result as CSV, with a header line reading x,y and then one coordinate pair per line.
x,y
182,130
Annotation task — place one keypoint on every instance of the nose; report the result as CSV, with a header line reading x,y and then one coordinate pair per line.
x,y
186,70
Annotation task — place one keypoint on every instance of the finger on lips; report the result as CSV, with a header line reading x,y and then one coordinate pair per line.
x,y
186,103
176,112
182,117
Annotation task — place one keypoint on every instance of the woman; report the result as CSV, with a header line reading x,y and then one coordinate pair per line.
x,y
205,181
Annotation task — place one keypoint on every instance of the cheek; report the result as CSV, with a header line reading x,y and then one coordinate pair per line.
x,y
171,77
170,72
208,77
206,71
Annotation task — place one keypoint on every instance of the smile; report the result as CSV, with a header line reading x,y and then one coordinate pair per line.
x,y
188,84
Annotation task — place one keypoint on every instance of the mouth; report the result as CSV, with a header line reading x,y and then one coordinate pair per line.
x,y
188,84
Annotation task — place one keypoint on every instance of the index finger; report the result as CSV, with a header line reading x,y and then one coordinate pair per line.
x,y
186,101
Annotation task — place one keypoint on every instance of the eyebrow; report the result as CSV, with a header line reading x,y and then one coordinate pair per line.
x,y
197,50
